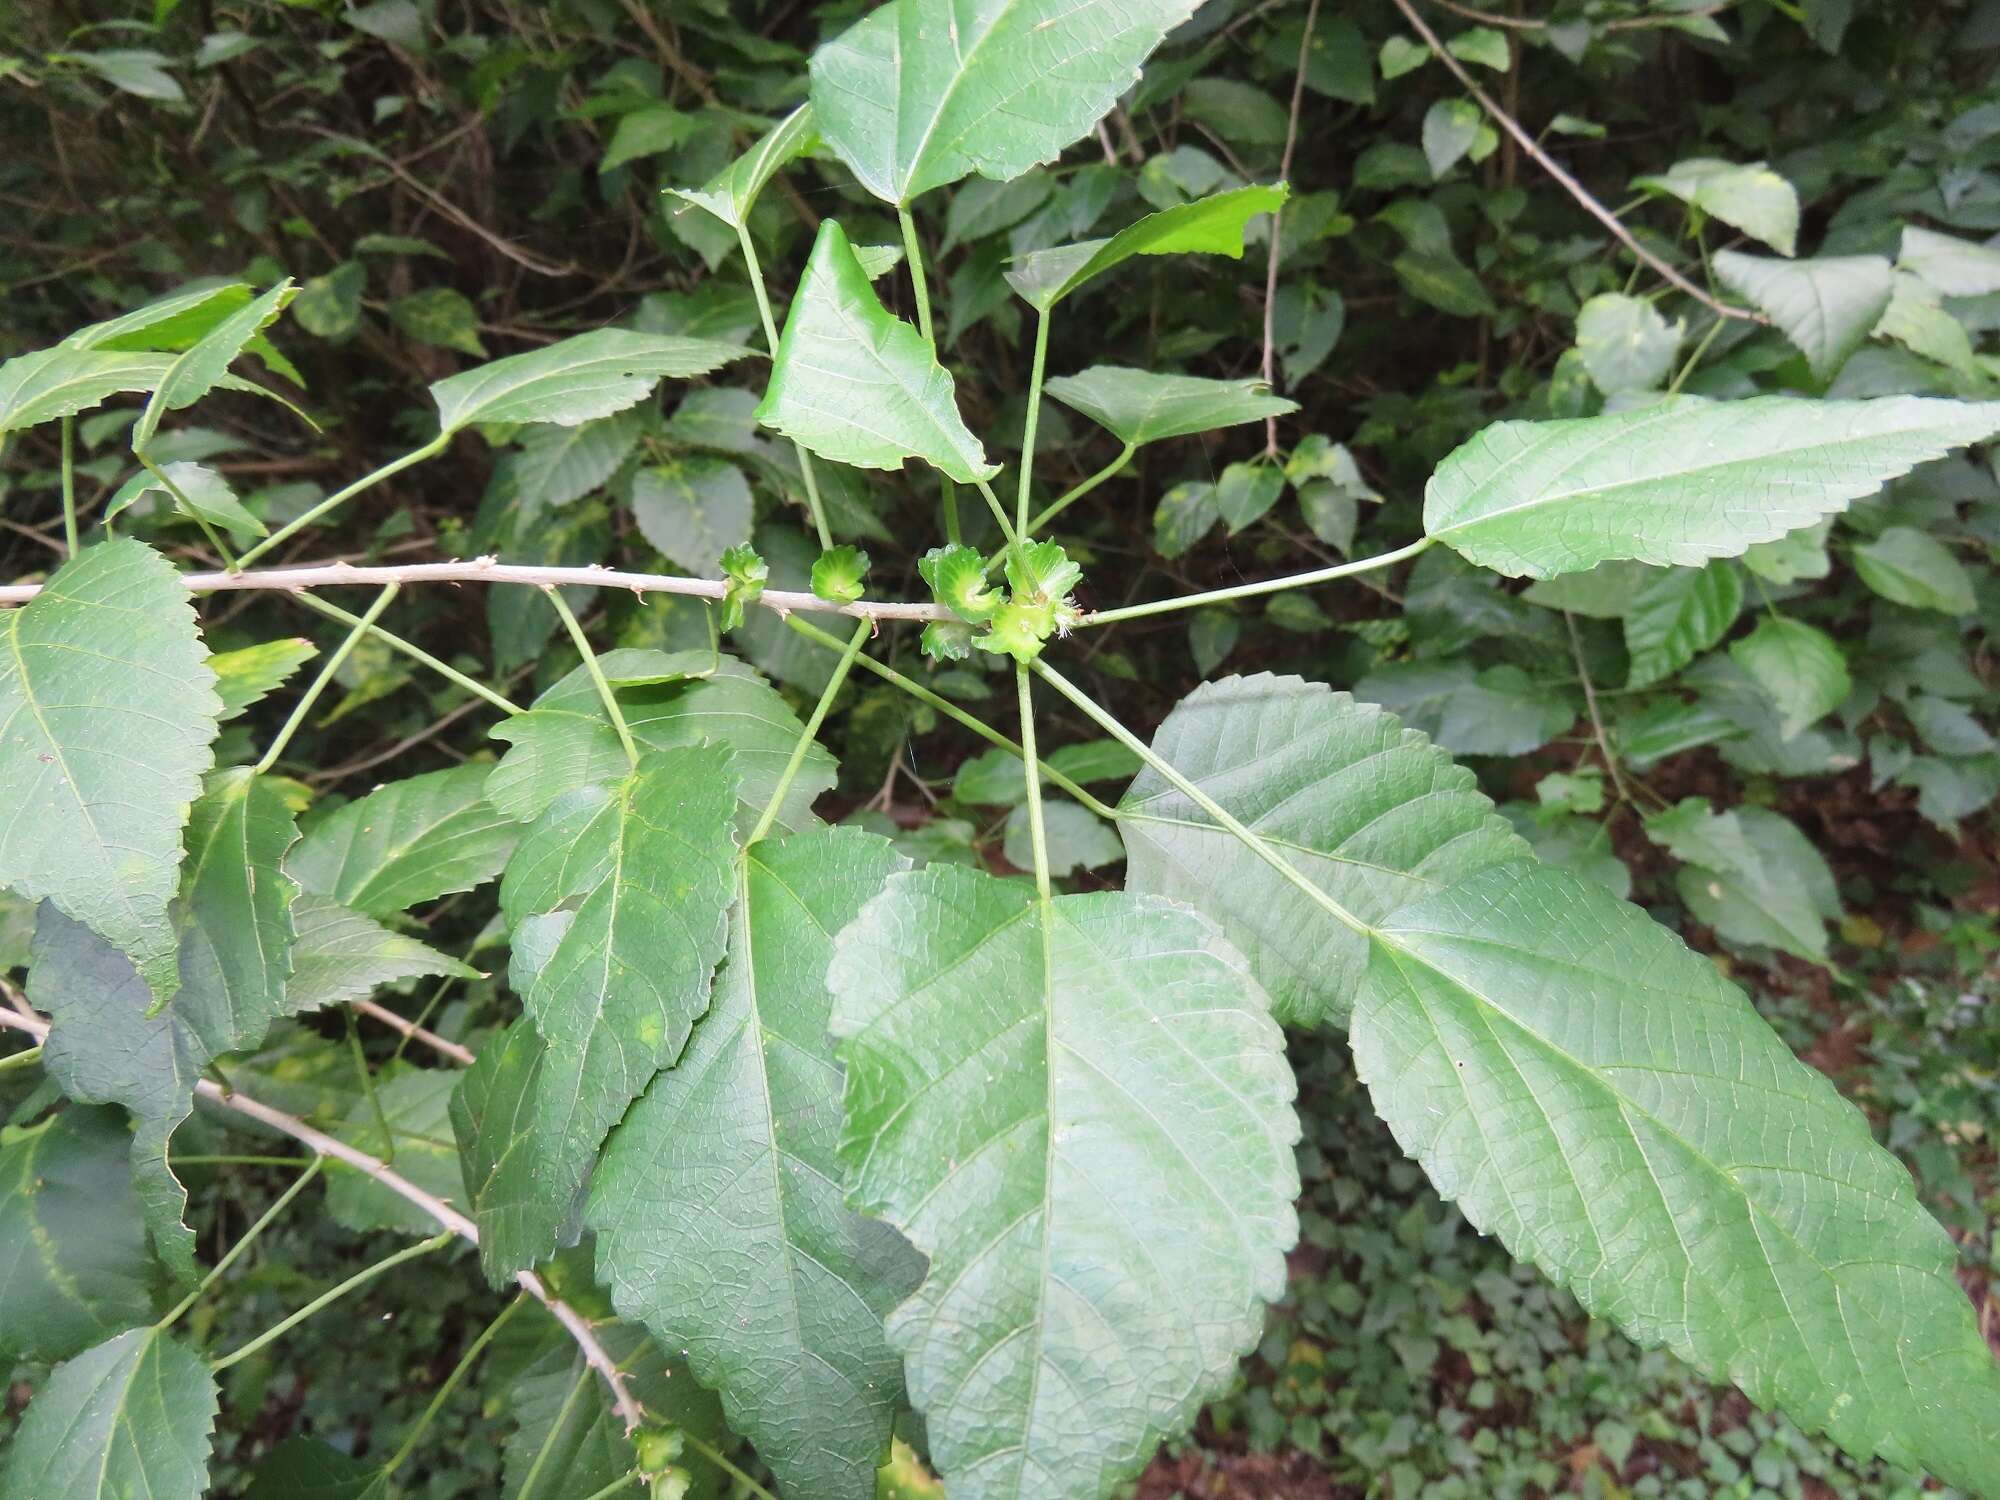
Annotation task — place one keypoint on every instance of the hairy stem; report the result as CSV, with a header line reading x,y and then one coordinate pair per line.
x,y
590,664
311,694
810,733
1252,590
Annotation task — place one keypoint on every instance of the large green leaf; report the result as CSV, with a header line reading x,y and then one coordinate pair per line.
x,y
1824,306
1625,344
856,384
1677,616
1748,196
410,841
693,510
107,709
235,911
200,367
730,193
130,1418
1142,406
341,955
172,322
60,382
74,1267
1370,812
1079,1108
1208,226
576,380
558,465
1616,1112
492,1114
617,898
1681,481
918,95
1802,668
669,699
1751,875
717,1206
1911,567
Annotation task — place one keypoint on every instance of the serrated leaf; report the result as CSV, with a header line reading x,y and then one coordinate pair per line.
x,y
853,383
1677,616
1803,669
247,676
1909,567
1370,812
408,842
303,1468
1625,343
1916,318
617,898
59,382
493,1116
681,698
107,711
1104,1189
576,380
1751,875
339,954
1142,406
415,1105
913,98
1208,226
1955,267
693,510
206,494
439,315
1469,711
1615,1111
1825,306
558,465
717,1206
1076,838
730,193
172,322
1680,481
1748,196
199,368
74,1267
131,1417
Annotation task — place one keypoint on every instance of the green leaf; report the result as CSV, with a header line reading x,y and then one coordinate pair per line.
x,y
341,955
1803,670
746,574
1077,839
693,510
956,574
1186,513
1605,592
577,380
996,777
687,698
647,132
1916,318
911,99
1678,616
1105,1187
131,1417
329,306
172,322
1445,282
717,1207
1238,112
206,493
107,710
1141,406
1213,225
1482,45
1625,343
1370,812
493,1119
617,898
840,574
853,383
302,1468
1246,491
59,382
1450,128
1955,267
557,465
441,316
133,70
246,677
408,842
1909,567
74,1267
1825,306
1797,555
730,193
1498,711
1611,1108
1680,481
1748,196
198,369
1751,875
1400,55
415,1105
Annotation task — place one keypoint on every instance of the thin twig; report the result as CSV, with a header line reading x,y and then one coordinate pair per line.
x,y
1569,184
443,1046
1277,216
1596,719
579,1327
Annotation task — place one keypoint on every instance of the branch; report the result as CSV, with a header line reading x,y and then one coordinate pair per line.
x,y
594,1352
440,1045
1270,366
1570,185
492,570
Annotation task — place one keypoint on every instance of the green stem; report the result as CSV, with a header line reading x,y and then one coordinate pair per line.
x,y
1037,835
953,712
1694,359
615,1486
27,1059
810,733
1057,507
368,1087
999,514
416,653
576,1390
338,498
1251,590
913,252
771,343
69,483
715,1456
1196,795
326,1299
333,663
244,1242
245,1161
590,665
458,1373
187,508
1035,374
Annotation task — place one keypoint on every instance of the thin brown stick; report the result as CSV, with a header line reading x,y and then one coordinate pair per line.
x,y
594,1352
491,570
443,1046
1569,184
1596,719
1277,217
